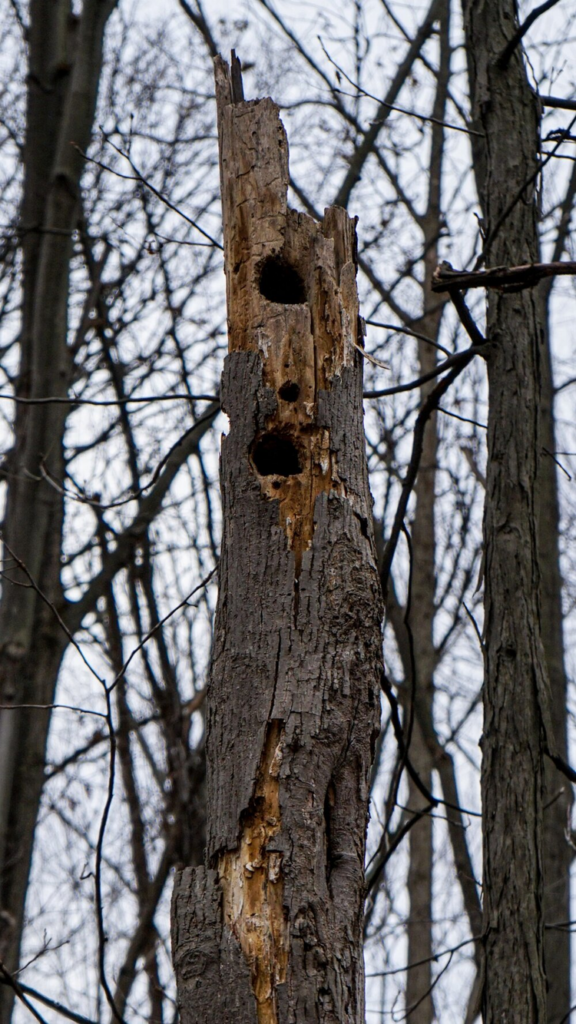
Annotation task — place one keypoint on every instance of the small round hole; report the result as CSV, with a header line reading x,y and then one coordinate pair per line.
x,y
275,454
289,391
280,282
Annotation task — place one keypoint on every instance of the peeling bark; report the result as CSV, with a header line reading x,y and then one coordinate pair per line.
x,y
270,932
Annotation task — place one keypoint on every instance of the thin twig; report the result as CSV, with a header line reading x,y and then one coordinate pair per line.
x,y
370,358
137,176
504,58
475,625
53,400
53,1004
51,707
385,851
199,20
430,404
558,463
463,419
84,499
541,164
20,19
8,979
159,624
20,564
466,319
399,734
392,106
429,959
458,359
406,330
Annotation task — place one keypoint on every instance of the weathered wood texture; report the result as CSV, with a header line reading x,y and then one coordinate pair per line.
x,y
270,932
515,688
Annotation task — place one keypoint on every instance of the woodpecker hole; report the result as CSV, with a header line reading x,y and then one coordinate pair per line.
x,y
289,391
280,282
275,454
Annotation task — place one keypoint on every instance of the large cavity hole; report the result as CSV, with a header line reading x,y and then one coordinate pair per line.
x,y
280,282
276,455
289,391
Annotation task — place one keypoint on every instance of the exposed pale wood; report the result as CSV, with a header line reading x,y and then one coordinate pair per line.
x,y
293,700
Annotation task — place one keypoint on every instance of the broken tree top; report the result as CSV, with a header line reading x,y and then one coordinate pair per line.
x,y
291,292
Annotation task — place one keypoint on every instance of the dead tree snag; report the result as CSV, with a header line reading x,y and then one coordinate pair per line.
x,y
270,932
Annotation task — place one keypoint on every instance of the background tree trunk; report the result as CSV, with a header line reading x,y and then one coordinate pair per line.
x,y
557,852
419,1000
271,930
515,684
65,65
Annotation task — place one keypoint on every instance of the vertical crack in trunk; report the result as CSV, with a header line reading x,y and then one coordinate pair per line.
x,y
252,885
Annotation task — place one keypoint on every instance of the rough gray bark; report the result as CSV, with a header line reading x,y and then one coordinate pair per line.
x,y
515,687
65,62
557,852
270,932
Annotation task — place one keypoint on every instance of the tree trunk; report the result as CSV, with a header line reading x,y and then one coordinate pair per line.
x,y
515,686
65,62
419,1003
419,999
271,930
557,852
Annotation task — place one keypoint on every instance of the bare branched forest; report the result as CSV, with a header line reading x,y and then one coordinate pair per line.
x,y
446,131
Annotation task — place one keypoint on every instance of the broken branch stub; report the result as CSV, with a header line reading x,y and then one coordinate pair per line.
x,y
271,931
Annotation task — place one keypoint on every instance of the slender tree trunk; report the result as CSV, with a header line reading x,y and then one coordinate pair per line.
x,y
515,687
557,852
419,1000
65,63
271,930
419,1004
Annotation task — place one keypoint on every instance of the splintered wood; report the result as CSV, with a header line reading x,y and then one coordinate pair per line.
x,y
270,930
291,289
251,880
